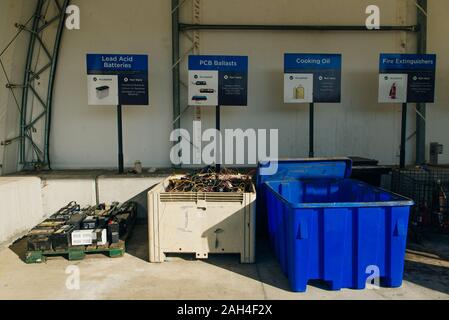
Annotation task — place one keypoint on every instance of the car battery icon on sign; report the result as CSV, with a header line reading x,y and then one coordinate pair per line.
x,y
102,92
299,93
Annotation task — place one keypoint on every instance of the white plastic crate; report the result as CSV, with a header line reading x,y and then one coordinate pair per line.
x,y
201,223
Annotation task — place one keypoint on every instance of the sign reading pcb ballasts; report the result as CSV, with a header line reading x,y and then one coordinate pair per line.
x,y
218,80
405,78
117,79
312,78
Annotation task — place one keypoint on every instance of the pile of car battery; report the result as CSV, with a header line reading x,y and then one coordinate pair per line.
x,y
72,225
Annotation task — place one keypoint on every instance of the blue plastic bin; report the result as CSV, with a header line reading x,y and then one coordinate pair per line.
x,y
326,227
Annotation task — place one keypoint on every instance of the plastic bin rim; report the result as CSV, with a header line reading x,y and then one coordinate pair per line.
x,y
401,202
264,163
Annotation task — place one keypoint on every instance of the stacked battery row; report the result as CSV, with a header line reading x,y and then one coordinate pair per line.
x,y
72,225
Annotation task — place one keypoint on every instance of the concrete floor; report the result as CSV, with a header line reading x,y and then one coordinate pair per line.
x,y
220,277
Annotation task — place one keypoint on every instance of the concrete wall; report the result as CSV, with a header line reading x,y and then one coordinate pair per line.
x,y
85,136
58,191
358,125
26,201
438,113
123,189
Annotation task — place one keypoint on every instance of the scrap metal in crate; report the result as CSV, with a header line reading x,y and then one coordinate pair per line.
x,y
74,232
202,214
428,186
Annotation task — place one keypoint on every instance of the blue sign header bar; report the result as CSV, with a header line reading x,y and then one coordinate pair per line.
x,y
395,62
294,62
117,62
219,63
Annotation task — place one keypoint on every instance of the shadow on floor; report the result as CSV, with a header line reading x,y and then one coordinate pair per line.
x,y
433,244
266,269
19,247
137,243
428,276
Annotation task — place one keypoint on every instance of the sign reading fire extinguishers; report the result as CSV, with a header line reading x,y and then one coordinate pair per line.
x,y
407,78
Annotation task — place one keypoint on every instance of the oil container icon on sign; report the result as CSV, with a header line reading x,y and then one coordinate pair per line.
x,y
300,93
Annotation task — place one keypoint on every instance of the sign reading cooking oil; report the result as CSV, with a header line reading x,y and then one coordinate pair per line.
x,y
312,78
218,80
407,78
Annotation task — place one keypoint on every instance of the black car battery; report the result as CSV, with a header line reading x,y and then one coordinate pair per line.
x,y
90,222
76,220
124,220
102,222
113,232
114,237
60,239
39,243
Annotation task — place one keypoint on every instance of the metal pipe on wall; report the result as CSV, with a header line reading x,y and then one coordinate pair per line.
x,y
187,27
54,64
26,81
175,65
421,107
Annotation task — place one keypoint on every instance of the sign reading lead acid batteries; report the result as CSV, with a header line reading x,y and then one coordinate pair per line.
x,y
218,80
117,79
405,78
312,78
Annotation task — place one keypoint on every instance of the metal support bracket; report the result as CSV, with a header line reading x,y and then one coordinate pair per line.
x,y
35,119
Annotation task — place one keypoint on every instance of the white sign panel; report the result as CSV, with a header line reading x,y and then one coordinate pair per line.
x,y
203,88
393,88
298,88
102,90
218,80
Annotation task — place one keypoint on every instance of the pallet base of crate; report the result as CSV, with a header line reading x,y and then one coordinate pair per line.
x,y
77,253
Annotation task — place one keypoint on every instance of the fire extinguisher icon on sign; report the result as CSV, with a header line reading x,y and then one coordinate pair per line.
x,y
393,91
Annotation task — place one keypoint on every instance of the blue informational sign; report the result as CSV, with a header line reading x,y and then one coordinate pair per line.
x,y
117,79
312,78
218,80
407,78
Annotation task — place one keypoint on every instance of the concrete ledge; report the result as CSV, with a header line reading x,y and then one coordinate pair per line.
x,y
57,192
27,200
20,205
135,188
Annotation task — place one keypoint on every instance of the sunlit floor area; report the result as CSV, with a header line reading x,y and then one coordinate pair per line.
x,y
220,277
